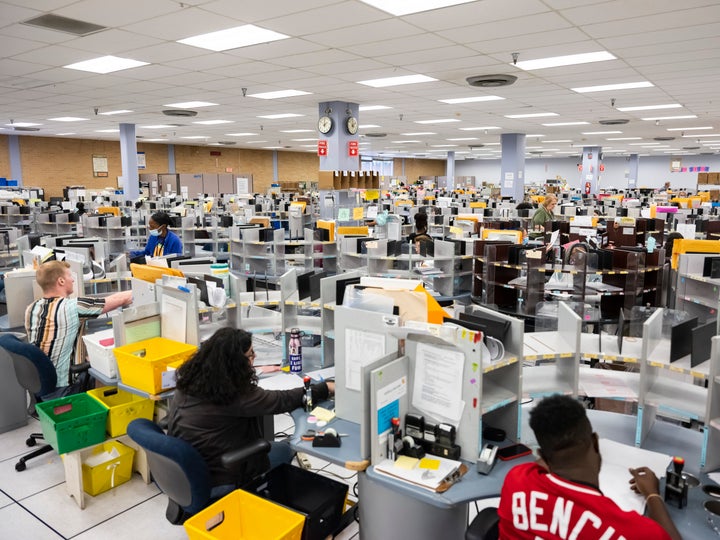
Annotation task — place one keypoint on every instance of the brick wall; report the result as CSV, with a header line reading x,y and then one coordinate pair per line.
x,y
4,157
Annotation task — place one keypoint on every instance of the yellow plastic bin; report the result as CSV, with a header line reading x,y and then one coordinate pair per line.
x,y
244,516
123,407
106,466
142,364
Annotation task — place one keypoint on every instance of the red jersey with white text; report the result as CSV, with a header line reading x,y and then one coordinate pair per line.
x,y
536,504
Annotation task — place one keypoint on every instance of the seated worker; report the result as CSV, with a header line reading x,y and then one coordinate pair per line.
x,y
559,497
218,405
424,243
53,322
162,241
543,214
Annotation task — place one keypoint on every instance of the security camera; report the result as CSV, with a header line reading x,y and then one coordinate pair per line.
x,y
244,91
515,57
96,109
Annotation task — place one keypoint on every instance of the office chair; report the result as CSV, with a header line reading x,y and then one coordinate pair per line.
x,y
36,374
484,526
181,472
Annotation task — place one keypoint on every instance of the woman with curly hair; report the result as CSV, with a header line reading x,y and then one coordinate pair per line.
x,y
218,405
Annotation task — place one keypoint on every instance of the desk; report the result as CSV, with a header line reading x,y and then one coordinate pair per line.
x,y
415,514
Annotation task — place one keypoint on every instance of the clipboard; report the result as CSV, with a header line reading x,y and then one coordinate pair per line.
x,y
449,473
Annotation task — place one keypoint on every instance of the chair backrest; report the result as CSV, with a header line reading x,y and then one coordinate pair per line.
x,y
178,468
34,370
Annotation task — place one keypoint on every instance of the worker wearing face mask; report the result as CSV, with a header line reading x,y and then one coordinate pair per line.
x,y
162,241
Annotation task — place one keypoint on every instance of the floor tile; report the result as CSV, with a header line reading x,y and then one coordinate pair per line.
x,y
5,500
52,503
16,522
12,443
146,521
42,472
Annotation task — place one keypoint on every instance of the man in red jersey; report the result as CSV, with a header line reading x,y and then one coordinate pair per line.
x,y
559,498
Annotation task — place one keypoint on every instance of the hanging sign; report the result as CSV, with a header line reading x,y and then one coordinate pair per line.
x,y
353,148
322,148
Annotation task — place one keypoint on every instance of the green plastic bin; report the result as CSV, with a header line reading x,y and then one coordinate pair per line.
x,y
72,422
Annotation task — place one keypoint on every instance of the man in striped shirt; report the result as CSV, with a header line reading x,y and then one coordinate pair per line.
x,y
52,323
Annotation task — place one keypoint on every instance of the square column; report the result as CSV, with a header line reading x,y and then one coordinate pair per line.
x,y
590,169
512,165
128,158
338,136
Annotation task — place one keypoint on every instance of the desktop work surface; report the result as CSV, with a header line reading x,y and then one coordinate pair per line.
x,y
429,515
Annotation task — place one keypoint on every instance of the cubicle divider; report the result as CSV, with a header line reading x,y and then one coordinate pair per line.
x,y
647,412
328,300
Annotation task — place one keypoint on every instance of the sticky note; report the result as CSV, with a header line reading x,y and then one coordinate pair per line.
x,y
406,462
358,212
427,463
323,414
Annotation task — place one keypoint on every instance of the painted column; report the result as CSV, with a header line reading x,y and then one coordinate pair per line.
x,y
590,173
171,158
450,169
128,158
337,139
632,170
15,162
512,165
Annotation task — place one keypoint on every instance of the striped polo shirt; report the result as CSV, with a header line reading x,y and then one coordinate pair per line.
x,y
52,324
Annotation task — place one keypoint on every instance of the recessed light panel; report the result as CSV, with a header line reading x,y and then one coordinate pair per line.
x,y
279,94
690,128
120,111
213,122
106,64
473,99
67,119
23,124
479,128
650,107
373,107
190,104
683,117
609,87
405,7
555,124
568,60
601,132
233,38
397,81
438,121
241,134
278,116
531,115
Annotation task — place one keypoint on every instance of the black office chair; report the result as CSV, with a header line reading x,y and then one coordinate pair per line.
x,y
181,472
484,526
36,374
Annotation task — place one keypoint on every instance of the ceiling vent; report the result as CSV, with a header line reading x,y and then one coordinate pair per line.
x,y
21,128
472,146
376,135
491,81
614,122
64,24
227,143
663,138
691,148
185,113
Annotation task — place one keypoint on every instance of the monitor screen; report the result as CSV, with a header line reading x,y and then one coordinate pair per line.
x,y
701,342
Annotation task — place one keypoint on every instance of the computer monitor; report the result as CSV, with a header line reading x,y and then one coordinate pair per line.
x,y
701,342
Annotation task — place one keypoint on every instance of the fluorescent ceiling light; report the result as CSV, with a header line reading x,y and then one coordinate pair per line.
x,y
623,138
297,131
404,142
254,142
444,145
473,99
107,131
272,147
196,137
416,133
305,140
157,126
698,135
555,124
650,107
279,94
154,140
368,126
534,135
493,144
607,87
67,119
233,38
641,144
569,60
278,116
397,81
438,121
213,122
23,124
558,141
690,128
119,111
307,145
241,134
464,139
531,115
190,104
373,107
66,133
106,64
403,7
481,128
683,117
601,132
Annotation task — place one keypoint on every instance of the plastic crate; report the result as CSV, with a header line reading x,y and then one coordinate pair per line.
x,y
321,499
101,357
123,407
244,516
110,473
72,422
142,364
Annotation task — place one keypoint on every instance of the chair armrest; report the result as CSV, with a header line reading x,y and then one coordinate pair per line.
x,y
233,458
484,526
79,368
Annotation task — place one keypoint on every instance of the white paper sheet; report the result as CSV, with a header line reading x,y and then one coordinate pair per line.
x,y
361,348
281,381
614,474
437,388
174,311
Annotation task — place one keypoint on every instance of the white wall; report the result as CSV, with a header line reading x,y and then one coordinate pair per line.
x,y
653,171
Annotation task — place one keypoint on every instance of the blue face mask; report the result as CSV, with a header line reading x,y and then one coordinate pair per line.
x,y
154,232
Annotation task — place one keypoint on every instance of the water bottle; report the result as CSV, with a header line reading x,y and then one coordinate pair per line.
x,y
307,397
295,351
650,243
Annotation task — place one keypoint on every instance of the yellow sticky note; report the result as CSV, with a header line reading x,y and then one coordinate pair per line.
x,y
406,462
323,414
427,463
358,212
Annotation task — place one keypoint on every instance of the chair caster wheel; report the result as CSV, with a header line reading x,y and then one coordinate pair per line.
x,y
19,467
30,442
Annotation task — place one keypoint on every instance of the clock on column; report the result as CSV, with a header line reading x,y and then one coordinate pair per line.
x,y
351,125
325,125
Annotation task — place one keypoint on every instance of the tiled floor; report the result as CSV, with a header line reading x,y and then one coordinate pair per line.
x,y
35,505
